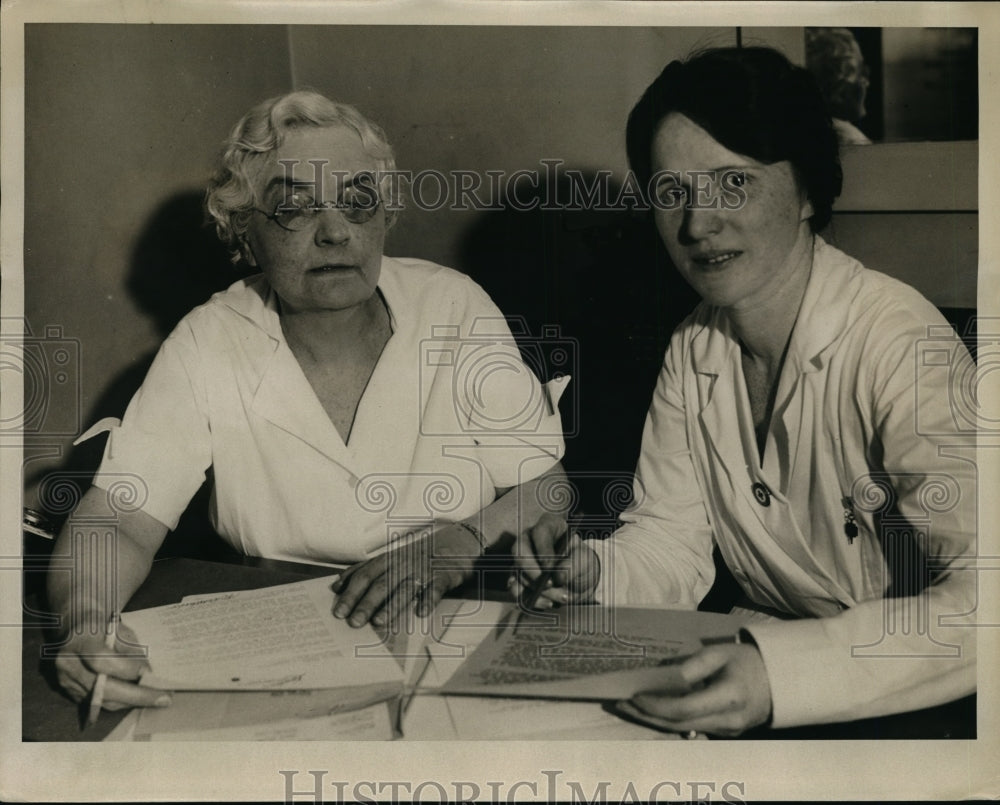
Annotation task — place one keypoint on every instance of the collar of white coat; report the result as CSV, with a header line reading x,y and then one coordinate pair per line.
x,y
833,284
257,302
283,395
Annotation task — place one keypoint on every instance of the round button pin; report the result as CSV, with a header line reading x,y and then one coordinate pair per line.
x,y
761,493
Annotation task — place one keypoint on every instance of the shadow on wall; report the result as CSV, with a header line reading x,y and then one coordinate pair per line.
x,y
177,264
601,275
592,281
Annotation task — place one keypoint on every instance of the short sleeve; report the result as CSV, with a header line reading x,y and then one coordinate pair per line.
x,y
512,416
163,444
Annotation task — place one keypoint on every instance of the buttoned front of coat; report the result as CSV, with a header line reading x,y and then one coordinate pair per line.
x,y
851,477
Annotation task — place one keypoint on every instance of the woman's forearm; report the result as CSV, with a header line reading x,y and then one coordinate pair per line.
x,y
520,507
105,571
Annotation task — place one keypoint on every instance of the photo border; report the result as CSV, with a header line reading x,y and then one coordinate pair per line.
x,y
793,769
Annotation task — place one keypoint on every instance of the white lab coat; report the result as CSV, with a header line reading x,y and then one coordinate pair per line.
x,y
863,419
449,415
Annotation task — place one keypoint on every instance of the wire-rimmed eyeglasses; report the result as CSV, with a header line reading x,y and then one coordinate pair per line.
x,y
358,204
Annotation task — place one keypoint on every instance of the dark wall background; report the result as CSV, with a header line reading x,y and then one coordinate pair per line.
x,y
123,123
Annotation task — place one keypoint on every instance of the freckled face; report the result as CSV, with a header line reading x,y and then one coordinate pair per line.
x,y
331,264
734,258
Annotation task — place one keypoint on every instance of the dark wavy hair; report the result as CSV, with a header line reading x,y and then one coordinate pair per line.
x,y
754,102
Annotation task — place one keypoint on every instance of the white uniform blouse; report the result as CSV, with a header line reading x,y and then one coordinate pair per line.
x,y
867,460
450,414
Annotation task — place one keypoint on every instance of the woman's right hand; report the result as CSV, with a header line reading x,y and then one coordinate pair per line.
x,y
575,567
84,656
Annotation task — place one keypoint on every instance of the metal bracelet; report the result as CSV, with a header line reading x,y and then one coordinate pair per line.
x,y
476,533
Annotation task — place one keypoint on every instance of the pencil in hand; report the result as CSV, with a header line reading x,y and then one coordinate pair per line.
x,y
97,692
533,592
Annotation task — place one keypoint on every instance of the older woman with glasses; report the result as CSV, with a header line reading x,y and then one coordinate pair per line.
x,y
343,401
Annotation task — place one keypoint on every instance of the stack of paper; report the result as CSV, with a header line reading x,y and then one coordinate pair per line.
x,y
309,715
267,664
274,664
582,652
486,658
281,637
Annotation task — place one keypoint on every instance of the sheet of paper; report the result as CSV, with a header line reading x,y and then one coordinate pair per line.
x,y
212,710
333,575
271,638
369,724
431,651
479,718
585,652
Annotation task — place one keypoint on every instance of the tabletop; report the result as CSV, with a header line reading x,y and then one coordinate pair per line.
x,y
48,715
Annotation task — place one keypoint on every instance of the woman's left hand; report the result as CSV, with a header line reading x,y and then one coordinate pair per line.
x,y
726,692
421,571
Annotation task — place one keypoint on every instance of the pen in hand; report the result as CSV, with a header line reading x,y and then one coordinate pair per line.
x,y
531,593
97,692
